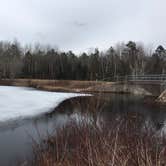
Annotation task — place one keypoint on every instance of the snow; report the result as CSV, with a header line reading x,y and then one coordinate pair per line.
x,y
19,103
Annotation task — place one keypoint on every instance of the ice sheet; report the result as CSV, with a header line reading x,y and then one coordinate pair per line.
x,y
19,102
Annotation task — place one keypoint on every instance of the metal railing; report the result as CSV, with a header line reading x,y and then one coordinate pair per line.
x,y
151,78
158,78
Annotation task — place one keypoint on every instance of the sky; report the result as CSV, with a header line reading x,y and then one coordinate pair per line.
x,y
79,25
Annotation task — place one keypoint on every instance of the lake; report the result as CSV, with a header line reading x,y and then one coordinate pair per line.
x,y
28,116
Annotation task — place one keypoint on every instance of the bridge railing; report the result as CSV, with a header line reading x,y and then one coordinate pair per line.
x,y
137,78
160,77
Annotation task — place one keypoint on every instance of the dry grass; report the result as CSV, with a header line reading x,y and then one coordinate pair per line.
x,y
77,86
53,85
125,142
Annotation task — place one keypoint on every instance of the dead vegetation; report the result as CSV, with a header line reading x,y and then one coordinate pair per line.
x,y
89,140
77,86
53,85
125,142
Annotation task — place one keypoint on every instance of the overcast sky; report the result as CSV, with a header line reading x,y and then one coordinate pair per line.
x,y
80,24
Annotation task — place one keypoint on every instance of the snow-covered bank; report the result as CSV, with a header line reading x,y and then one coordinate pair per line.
x,y
18,102
162,97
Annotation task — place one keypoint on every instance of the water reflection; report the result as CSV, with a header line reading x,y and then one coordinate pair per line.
x,y
16,138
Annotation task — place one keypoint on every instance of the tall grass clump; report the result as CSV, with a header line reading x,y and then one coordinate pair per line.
x,y
123,141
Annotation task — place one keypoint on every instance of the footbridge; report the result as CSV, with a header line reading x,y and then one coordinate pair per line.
x,y
152,79
153,83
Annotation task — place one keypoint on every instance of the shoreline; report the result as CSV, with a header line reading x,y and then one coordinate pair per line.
x,y
93,87
77,86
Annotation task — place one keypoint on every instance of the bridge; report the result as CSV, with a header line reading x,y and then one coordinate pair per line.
x,y
150,78
144,79
153,83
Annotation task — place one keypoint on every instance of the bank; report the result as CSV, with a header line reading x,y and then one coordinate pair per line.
x,y
77,86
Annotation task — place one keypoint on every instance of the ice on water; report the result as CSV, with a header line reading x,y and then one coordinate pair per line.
x,y
19,102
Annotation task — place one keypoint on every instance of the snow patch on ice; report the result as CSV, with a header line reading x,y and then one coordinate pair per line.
x,y
18,102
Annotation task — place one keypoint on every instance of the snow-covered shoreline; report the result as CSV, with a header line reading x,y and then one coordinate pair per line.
x,y
19,102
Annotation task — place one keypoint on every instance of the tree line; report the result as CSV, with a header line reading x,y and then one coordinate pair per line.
x,y
124,59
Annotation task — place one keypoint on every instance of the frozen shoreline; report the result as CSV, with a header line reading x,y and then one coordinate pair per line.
x,y
19,102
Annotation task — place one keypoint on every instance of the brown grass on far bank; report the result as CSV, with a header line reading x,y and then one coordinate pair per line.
x,y
52,85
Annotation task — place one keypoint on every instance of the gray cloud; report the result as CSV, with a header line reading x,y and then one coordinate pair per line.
x,y
80,24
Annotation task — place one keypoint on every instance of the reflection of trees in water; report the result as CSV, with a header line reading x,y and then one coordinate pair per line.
x,y
109,108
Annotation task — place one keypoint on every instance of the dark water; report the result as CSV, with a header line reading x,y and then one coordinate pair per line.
x,y
17,138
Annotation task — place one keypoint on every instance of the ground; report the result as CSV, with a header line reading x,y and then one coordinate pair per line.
x,y
77,86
